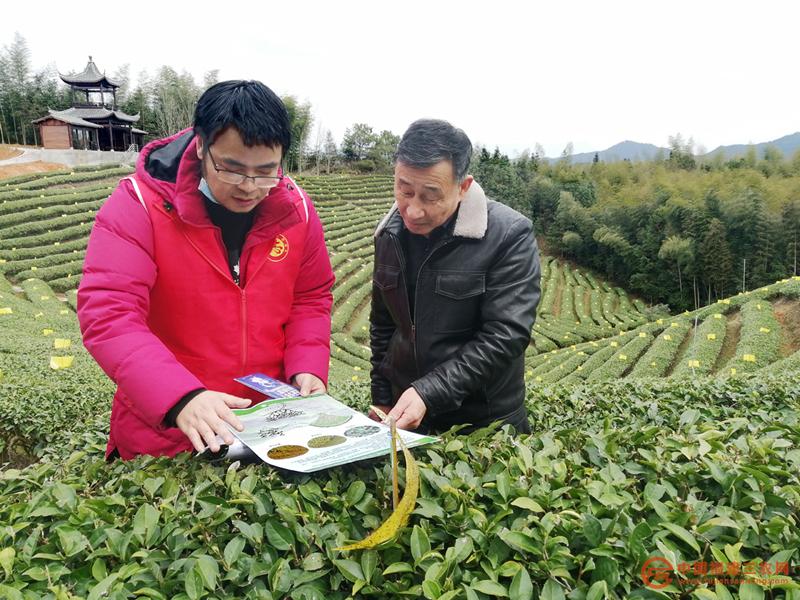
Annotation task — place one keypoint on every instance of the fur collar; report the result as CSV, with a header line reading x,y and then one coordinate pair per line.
x,y
472,216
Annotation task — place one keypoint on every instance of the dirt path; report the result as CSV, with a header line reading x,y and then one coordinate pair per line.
x,y
559,291
362,306
787,312
733,330
681,351
7,152
13,170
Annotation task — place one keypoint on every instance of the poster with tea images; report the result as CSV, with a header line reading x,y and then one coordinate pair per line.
x,y
315,432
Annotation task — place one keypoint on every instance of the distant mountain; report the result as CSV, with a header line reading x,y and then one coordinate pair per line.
x,y
627,150
788,145
637,151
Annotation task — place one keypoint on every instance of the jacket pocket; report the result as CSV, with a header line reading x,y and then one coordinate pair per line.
x,y
458,301
386,277
460,285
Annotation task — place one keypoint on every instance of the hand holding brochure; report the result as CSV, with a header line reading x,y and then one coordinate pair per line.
x,y
314,432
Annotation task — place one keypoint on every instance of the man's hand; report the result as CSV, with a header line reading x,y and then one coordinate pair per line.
x,y
381,407
409,410
205,415
308,384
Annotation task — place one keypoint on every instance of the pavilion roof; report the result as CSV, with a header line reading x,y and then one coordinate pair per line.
x,y
90,75
83,116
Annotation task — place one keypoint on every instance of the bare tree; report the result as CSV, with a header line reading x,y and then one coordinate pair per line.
x,y
331,151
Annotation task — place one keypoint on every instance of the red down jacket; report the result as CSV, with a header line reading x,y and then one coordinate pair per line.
x,y
159,309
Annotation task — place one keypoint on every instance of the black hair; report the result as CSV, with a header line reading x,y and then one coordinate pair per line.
x,y
429,141
256,112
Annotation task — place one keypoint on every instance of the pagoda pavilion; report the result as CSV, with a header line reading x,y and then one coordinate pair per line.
x,y
93,122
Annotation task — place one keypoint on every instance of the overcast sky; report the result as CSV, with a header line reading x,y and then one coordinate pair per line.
x,y
509,73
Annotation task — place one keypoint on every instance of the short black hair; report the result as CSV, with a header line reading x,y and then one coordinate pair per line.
x,y
256,112
429,141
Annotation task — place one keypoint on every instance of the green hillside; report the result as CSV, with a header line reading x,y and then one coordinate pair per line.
x,y
655,435
45,223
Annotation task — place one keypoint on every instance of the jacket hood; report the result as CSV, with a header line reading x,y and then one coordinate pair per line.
x,y
471,221
160,161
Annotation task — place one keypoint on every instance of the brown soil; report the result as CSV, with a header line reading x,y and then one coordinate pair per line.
x,y
681,351
362,306
733,330
587,301
24,168
787,312
559,291
8,152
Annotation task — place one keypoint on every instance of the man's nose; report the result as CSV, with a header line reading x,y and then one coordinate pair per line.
x,y
414,211
248,186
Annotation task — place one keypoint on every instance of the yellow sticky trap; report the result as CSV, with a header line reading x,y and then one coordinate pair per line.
x,y
667,337
37,315
61,343
47,332
694,363
63,311
391,526
660,321
538,378
758,306
673,324
749,358
61,362
712,336
733,371
726,301
6,310
717,315
764,329
642,334
44,297
614,344
623,357
653,364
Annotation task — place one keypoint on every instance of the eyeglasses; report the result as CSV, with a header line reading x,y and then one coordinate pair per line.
x,y
260,181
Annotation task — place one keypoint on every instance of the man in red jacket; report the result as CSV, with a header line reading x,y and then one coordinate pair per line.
x,y
207,265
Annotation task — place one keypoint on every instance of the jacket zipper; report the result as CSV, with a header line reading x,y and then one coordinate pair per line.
x,y
228,277
244,330
411,317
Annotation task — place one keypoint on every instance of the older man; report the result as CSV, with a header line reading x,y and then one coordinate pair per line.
x,y
455,290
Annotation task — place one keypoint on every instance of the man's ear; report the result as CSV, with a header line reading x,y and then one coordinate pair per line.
x,y
463,187
199,147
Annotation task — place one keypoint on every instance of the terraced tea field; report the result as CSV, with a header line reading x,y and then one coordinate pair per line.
x,y
673,438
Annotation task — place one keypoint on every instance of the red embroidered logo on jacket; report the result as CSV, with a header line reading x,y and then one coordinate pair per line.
x,y
280,250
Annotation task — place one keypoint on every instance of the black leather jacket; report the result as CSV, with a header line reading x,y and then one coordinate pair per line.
x,y
476,297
